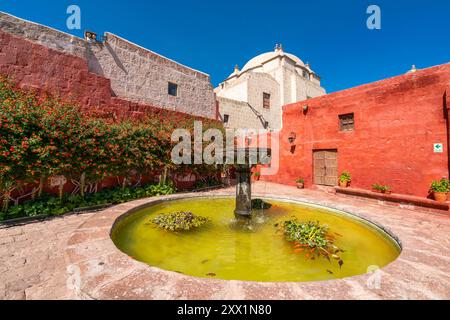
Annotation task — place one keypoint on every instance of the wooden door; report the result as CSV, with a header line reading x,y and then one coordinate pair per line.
x,y
325,167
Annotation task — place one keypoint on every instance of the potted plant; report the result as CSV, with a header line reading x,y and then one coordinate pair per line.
x,y
257,176
300,183
344,179
381,188
440,189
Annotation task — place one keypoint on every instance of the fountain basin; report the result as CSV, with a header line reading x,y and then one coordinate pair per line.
x,y
226,250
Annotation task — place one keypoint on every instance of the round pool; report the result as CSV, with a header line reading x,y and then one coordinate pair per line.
x,y
225,249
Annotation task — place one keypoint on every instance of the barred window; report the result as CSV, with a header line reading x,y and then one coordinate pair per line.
x,y
226,118
266,100
347,122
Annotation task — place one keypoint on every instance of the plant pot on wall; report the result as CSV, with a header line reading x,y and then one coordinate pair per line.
x,y
440,189
300,183
343,184
344,179
440,196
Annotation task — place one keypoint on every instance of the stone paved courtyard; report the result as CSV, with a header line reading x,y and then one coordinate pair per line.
x,y
34,259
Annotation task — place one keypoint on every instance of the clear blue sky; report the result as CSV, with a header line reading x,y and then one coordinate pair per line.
x,y
213,36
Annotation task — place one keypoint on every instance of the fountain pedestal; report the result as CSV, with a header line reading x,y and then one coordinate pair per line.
x,y
249,157
243,191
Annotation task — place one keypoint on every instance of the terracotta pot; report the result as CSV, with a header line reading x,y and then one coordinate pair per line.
x,y
300,185
440,196
343,184
185,181
257,178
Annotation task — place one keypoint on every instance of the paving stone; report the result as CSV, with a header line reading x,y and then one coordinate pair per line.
x,y
35,259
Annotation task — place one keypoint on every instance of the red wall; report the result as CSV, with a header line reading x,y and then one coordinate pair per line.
x,y
44,70
397,121
37,67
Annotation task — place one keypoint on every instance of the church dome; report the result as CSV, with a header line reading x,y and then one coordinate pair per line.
x,y
265,57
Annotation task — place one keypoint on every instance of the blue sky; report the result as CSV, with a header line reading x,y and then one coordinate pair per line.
x,y
213,36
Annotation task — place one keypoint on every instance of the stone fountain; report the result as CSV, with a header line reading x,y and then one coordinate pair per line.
x,y
247,158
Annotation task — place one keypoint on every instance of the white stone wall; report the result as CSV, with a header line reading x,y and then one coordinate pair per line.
x,y
258,84
43,35
280,76
143,76
136,74
240,114
237,89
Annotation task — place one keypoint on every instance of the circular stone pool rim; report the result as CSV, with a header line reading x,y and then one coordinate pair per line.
x,y
104,272
385,232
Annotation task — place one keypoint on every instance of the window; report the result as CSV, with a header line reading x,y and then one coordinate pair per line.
x,y
347,122
173,89
266,100
226,117
266,125
306,74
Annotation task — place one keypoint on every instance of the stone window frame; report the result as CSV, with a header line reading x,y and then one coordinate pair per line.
x,y
306,75
173,86
266,100
347,122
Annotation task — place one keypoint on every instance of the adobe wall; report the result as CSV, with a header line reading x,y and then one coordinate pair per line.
x,y
397,123
134,73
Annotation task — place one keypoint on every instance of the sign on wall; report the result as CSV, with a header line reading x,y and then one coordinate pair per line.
x,y
438,148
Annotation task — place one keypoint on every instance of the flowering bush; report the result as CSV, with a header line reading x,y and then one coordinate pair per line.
x,y
41,137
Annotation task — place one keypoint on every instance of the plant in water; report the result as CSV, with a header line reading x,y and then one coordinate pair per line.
x,y
440,186
179,221
259,204
312,239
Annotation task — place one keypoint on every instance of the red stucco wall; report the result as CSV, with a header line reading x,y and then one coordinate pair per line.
x,y
397,121
44,70
35,66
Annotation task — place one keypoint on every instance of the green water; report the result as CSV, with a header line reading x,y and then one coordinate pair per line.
x,y
225,250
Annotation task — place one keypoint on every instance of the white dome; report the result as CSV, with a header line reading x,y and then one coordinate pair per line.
x,y
263,58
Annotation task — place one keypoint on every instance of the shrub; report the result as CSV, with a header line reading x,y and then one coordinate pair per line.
x,y
207,182
42,137
300,180
312,239
179,221
381,188
48,205
441,186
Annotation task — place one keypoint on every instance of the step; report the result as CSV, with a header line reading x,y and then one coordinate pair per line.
x,y
400,199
